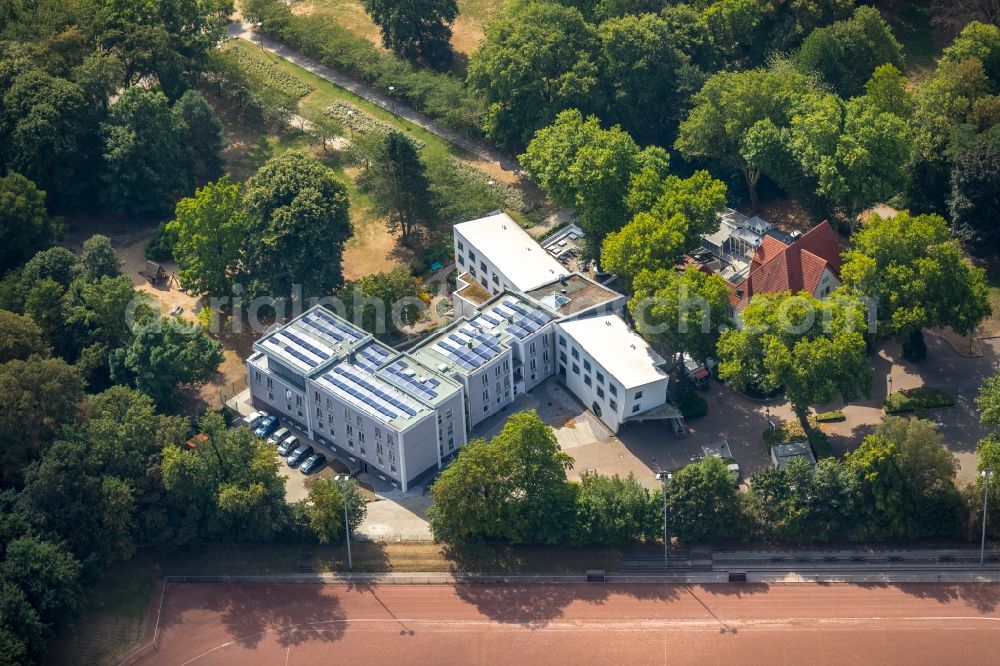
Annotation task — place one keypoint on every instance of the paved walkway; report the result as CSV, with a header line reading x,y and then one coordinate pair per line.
x,y
240,30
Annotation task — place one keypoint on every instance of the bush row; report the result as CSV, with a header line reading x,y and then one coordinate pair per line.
x,y
441,96
351,116
258,67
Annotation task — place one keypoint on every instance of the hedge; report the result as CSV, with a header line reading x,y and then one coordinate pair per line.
x,y
443,97
919,398
831,416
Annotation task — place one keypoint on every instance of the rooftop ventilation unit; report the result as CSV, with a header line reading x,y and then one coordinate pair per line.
x,y
442,367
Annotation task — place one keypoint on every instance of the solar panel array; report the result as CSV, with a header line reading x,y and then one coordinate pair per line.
x,y
371,357
402,376
524,319
456,346
327,327
307,351
367,394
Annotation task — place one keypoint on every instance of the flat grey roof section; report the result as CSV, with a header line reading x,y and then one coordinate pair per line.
x,y
572,294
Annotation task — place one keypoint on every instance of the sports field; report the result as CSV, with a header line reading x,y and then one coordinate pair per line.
x,y
301,624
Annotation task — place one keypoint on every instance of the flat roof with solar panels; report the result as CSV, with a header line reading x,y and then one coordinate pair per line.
x,y
311,341
349,363
520,317
371,395
464,347
422,382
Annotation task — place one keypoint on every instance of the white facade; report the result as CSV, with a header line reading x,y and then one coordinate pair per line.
x,y
610,368
500,255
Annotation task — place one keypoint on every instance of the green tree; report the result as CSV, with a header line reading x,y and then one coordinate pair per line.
x,y
418,30
49,576
45,305
680,311
814,349
729,108
887,91
165,354
325,508
649,79
614,511
298,224
881,508
228,487
978,41
210,228
702,502
543,495
146,160
918,276
25,225
164,38
513,487
472,497
395,297
644,245
203,134
699,198
855,153
99,258
22,634
536,59
46,128
933,503
588,168
847,53
37,397
20,337
975,197
399,189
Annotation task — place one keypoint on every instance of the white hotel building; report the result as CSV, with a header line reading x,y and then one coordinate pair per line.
x,y
521,318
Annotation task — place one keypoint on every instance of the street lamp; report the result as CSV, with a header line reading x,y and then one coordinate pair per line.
x,y
347,533
986,474
350,123
260,37
664,478
392,101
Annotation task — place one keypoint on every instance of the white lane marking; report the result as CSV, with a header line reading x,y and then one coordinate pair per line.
x,y
637,626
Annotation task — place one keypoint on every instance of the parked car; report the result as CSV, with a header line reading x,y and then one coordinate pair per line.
x,y
313,463
288,445
280,435
252,420
298,455
266,426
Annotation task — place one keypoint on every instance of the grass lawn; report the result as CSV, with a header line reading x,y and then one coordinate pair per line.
x,y
467,31
326,93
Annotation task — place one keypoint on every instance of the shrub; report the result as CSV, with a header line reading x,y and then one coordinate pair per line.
x,y
266,73
506,195
831,416
161,245
919,398
441,96
351,116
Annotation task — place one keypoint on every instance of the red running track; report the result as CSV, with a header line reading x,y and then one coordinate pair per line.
x,y
297,625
